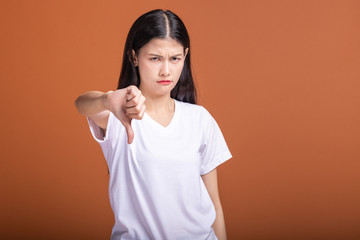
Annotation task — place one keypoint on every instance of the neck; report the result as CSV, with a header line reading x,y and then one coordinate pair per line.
x,y
159,104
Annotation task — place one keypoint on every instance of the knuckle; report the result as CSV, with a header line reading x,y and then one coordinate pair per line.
x,y
135,116
137,108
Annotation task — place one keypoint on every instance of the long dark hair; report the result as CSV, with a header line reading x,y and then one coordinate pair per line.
x,y
158,24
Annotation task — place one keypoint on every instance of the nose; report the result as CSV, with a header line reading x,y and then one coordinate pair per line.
x,y
165,70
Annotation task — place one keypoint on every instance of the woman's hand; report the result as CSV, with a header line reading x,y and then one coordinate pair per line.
x,y
126,104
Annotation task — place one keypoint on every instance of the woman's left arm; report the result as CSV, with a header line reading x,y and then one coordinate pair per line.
x,y
211,184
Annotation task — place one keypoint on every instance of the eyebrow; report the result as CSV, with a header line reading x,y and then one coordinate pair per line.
x,y
157,55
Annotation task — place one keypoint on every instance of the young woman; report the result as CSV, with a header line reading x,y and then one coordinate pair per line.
x,y
161,148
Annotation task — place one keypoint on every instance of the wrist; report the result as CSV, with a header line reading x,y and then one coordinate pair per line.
x,y
106,100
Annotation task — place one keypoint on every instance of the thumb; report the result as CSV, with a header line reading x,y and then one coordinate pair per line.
x,y
129,131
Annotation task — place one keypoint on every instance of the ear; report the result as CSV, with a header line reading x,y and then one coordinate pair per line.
x,y
134,57
186,52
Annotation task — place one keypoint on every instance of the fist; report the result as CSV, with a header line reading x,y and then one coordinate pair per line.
x,y
127,104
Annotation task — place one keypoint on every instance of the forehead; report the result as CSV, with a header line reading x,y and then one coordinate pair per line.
x,y
162,46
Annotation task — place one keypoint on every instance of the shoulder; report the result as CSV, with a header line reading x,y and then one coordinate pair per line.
x,y
194,111
190,107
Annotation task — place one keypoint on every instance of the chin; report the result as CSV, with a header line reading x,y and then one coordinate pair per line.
x,y
164,92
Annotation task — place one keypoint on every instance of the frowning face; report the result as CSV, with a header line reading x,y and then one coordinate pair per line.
x,y
160,64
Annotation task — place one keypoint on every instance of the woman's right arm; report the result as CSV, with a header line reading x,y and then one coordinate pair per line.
x,y
93,104
125,104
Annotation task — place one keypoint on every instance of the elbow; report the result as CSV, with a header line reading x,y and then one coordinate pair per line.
x,y
218,209
218,206
77,104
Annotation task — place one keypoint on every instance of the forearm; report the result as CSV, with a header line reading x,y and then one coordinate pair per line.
x,y
91,102
219,224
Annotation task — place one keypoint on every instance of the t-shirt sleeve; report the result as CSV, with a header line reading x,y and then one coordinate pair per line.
x,y
114,132
98,133
214,150
109,139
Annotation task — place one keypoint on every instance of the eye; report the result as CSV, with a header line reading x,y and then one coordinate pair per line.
x,y
175,59
154,59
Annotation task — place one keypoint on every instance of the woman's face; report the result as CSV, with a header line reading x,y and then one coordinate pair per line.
x,y
160,63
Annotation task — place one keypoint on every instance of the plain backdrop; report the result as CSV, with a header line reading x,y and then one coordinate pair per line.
x,y
281,78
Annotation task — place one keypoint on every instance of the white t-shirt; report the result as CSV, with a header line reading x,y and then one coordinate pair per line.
x,y
155,187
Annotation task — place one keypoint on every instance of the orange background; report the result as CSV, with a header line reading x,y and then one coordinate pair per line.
x,y
281,78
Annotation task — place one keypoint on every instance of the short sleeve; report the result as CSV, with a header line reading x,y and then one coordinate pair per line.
x,y
110,140
214,150
98,133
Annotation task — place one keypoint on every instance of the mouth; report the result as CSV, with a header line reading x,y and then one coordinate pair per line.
x,y
164,82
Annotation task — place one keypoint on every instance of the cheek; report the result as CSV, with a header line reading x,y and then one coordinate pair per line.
x,y
146,70
179,69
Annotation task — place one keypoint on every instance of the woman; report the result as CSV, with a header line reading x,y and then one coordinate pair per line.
x,y
161,148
